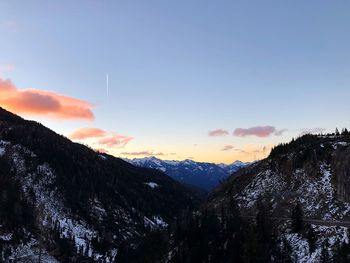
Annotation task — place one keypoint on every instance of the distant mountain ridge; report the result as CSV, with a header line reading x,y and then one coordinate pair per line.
x,y
199,174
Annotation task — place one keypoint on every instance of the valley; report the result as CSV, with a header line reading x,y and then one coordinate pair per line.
x,y
68,203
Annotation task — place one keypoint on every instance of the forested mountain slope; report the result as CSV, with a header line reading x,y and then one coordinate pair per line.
x,y
67,203
290,207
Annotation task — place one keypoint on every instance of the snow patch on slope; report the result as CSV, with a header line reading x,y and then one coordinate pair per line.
x,y
40,182
152,185
329,234
3,145
263,183
317,195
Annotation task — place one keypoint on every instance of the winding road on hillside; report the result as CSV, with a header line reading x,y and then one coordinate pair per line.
x,y
320,222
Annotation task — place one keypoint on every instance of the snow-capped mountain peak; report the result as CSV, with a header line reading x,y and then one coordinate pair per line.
x,y
200,174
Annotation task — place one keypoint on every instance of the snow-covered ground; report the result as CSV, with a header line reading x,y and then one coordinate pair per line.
x,y
3,145
41,182
315,194
38,181
152,185
330,235
263,183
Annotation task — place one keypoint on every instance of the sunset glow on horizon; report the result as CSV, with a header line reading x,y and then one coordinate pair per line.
x,y
185,81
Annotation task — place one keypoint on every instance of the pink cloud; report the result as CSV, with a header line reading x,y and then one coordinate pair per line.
x,y
259,131
227,148
100,139
101,150
115,140
143,153
36,102
86,133
218,132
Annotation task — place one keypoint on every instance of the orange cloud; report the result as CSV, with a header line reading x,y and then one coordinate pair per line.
x,y
86,133
219,132
42,103
99,139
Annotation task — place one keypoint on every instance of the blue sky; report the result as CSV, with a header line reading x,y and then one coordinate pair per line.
x,y
179,69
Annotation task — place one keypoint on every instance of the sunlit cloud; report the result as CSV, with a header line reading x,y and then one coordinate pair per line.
x,y
218,132
227,148
35,102
86,133
115,140
259,131
100,140
312,131
101,150
143,153
253,152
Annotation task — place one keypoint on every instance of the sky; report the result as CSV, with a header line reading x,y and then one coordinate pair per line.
x,y
213,81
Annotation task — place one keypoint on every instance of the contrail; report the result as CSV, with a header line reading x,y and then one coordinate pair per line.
x,y
107,82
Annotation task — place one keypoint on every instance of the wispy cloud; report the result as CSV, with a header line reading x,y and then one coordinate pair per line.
x,y
115,140
258,131
35,102
254,152
280,132
143,153
86,133
100,139
6,68
101,150
9,24
227,148
312,131
218,132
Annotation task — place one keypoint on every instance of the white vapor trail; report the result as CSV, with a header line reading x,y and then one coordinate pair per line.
x,y
107,82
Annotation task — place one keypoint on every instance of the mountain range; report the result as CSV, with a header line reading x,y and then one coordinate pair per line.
x,y
63,202
202,175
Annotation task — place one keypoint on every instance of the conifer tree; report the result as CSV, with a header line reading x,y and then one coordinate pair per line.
x,y
345,132
282,252
311,238
297,219
263,234
325,258
337,132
